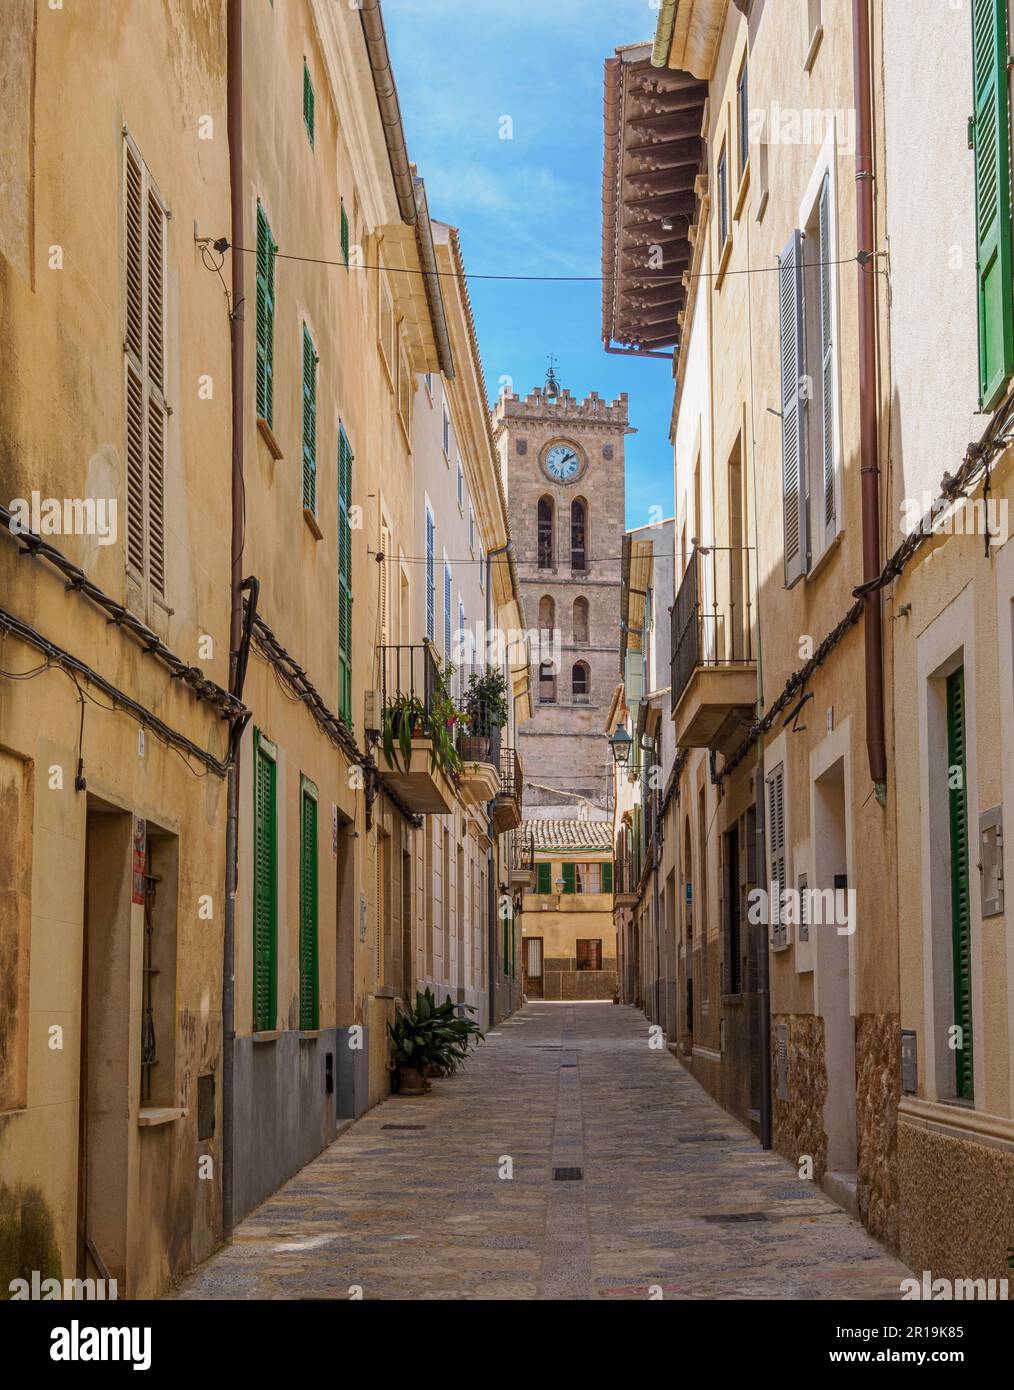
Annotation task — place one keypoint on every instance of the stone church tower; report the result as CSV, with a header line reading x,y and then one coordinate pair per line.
x,y
563,468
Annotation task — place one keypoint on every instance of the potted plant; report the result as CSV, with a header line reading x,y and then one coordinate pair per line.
x,y
402,717
486,701
429,1039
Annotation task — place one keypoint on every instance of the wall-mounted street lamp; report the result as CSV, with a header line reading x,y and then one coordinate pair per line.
x,y
621,743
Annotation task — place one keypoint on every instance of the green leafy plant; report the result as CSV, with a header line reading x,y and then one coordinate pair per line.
x,y
402,716
486,701
431,1035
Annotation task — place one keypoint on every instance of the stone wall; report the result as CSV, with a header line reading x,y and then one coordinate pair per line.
x,y
562,980
878,1090
798,1122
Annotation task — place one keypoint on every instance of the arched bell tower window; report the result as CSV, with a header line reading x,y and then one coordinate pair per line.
x,y
581,619
580,683
546,548
579,534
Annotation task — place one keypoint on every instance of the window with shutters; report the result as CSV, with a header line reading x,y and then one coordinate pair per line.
x,y
589,878
461,487
722,197
543,877
446,432
471,530
307,102
382,925
309,1007
145,236
777,867
265,886
961,906
742,120
809,387
990,138
570,878
310,360
344,234
406,390
589,955
385,327
345,461
448,615
430,575
607,878
266,250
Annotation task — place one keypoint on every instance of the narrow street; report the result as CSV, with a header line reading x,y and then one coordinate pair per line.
x,y
409,1203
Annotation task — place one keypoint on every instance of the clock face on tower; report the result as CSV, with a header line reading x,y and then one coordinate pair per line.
x,y
563,463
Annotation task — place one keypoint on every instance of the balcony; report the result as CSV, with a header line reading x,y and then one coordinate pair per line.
x,y
416,751
508,805
522,865
625,880
714,673
478,746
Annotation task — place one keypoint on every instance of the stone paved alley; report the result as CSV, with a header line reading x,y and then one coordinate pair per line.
x,y
408,1203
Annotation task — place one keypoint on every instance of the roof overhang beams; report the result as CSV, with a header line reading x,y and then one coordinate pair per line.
x,y
653,155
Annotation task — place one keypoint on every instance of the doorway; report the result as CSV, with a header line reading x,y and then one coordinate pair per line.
x,y
533,967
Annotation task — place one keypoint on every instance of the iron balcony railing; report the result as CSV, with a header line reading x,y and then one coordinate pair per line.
x,y
511,781
624,878
410,673
711,620
523,858
478,738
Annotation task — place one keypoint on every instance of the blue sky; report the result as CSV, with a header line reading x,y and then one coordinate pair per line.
x,y
530,205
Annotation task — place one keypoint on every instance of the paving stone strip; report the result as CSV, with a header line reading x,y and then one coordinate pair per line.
x,y
675,1199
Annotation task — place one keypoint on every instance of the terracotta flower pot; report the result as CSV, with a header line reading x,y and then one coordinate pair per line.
x,y
411,1081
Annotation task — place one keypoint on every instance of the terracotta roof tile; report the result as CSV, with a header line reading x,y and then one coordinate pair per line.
x,y
571,834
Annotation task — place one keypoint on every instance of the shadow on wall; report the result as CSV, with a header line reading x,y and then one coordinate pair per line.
x,y
27,1237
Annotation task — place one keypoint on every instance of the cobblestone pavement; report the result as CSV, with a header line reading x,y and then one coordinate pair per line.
x,y
409,1202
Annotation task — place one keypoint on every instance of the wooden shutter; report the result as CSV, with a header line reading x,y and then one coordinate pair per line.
x,y
544,879
307,101
790,321
448,619
991,140
345,461
145,225
777,879
607,878
961,934
309,423
827,357
266,250
430,575
265,903
385,584
308,973
570,878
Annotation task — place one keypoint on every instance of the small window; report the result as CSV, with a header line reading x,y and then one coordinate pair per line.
x,y
385,327
406,390
266,250
578,532
461,487
743,119
589,955
589,878
580,683
307,101
446,433
428,378
722,181
544,881
547,683
471,531
581,619
345,234
448,619
430,574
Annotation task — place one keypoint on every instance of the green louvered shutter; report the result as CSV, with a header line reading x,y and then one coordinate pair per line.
x,y
344,577
545,878
307,101
991,141
790,323
265,901
266,249
826,358
960,885
308,986
345,234
607,878
309,423
569,878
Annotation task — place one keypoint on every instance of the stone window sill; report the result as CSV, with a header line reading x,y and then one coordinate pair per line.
x,y
160,1115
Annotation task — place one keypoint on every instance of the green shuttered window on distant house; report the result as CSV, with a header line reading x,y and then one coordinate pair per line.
x,y
345,234
266,249
308,987
607,878
265,887
991,142
570,878
307,101
544,881
960,884
345,461
309,423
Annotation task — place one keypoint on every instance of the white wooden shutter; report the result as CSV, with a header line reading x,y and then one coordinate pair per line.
x,y
777,880
827,359
790,320
144,348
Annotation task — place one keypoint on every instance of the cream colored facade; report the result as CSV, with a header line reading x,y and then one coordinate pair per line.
x,y
100,1154
568,937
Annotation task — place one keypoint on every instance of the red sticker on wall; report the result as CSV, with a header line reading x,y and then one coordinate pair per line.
x,y
137,894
